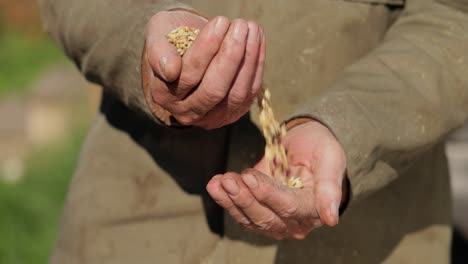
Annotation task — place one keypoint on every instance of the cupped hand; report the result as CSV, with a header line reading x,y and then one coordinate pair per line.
x,y
216,80
263,204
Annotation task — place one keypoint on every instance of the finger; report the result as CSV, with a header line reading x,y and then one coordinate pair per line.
x,y
243,83
162,55
300,229
239,99
262,217
258,80
220,196
160,94
219,75
200,55
328,181
271,193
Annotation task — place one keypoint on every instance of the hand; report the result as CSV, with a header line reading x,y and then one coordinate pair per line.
x,y
261,203
217,79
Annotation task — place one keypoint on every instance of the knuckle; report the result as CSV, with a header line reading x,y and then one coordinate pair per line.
x,y
266,223
246,202
232,51
252,24
264,193
288,210
244,222
160,100
225,203
212,41
234,55
188,80
237,98
213,96
239,22
255,91
186,119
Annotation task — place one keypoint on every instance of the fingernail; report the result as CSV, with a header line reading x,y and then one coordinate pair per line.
x,y
162,65
260,36
231,186
220,26
237,33
250,180
252,38
333,214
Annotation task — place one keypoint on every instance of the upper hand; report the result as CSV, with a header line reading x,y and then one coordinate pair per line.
x,y
217,79
263,204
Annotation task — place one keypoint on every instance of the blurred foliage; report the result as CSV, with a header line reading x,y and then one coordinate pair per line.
x,y
31,208
23,56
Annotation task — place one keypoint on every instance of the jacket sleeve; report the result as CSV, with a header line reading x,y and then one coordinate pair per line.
x,y
105,39
403,97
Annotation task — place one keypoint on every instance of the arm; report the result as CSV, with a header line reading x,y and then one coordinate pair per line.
x,y
403,97
105,40
395,103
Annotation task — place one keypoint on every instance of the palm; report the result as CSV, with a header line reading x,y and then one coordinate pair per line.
x,y
263,204
317,159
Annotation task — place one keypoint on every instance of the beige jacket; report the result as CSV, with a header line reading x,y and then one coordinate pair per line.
x,y
390,79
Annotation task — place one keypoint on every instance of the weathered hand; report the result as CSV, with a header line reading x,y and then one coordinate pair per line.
x,y
263,204
217,79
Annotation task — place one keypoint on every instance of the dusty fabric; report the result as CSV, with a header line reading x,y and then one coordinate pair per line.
x,y
390,82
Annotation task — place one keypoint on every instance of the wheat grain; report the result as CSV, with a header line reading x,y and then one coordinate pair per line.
x,y
275,153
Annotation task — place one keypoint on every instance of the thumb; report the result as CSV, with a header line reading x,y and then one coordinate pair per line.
x,y
162,55
163,58
328,197
328,190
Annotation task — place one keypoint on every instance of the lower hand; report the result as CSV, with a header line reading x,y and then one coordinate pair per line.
x,y
262,204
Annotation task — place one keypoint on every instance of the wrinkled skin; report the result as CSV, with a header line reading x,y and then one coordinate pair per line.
x,y
262,204
217,79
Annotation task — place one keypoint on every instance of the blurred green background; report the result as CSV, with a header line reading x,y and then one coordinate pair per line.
x,y
45,109
39,142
